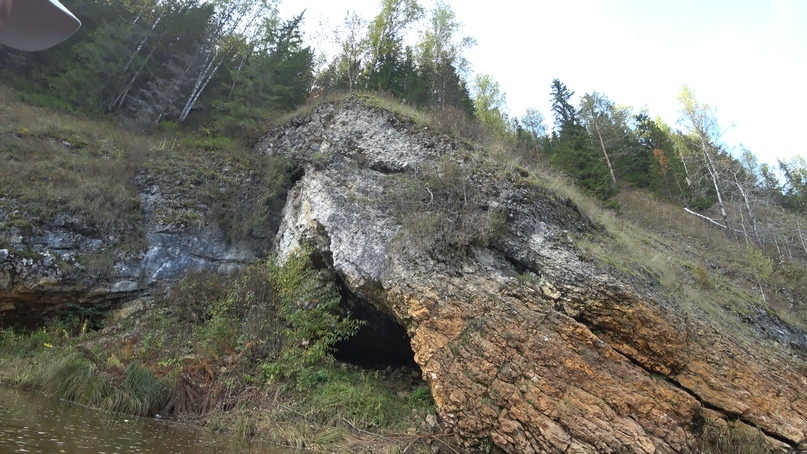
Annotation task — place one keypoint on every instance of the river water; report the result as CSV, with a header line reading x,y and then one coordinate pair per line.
x,y
34,424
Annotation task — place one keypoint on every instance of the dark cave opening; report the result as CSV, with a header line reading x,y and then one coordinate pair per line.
x,y
381,341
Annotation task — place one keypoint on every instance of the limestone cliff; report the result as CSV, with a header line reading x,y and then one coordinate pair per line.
x,y
522,338
62,262
526,339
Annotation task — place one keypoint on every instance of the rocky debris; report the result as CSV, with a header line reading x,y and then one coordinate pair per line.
x,y
523,340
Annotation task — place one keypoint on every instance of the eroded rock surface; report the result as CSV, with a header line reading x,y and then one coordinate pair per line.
x,y
63,264
523,339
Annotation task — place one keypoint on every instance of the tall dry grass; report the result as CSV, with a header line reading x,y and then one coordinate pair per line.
x,y
56,163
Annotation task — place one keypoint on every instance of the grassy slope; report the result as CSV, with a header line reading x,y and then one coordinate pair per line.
x,y
58,162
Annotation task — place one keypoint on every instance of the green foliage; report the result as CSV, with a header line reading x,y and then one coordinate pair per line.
x,y
253,96
422,395
193,297
761,266
373,56
80,318
360,397
794,190
576,157
141,393
565,115
490,105
148,62
241,219
441,61
702,277
30,343
279,315
310,311
571,149
389,64
666,175
76,375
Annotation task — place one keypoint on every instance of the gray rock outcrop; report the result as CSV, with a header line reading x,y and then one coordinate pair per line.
x,y
65,264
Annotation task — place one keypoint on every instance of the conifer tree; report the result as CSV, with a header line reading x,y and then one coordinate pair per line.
x,y
571,149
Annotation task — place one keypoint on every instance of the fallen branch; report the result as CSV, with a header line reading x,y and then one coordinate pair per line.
x,y
801,237
705,218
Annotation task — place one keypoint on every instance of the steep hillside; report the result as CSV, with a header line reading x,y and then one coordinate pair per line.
x,y
540,322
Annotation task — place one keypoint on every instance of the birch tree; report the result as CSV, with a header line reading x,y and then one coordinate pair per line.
x,y
701,125
351,39
597,114
232,18
490,103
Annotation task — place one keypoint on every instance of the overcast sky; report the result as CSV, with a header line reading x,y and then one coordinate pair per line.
x,y
746,58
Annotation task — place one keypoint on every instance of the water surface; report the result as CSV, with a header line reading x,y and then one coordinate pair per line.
x,y
36,424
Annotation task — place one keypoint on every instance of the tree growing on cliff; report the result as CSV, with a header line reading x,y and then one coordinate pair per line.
x,y
702,152
490,105
665,172
390,66
345,69
609,126
530,130
571,149
275,74
441,59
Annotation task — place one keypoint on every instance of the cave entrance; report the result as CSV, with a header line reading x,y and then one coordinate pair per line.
x,y
381,341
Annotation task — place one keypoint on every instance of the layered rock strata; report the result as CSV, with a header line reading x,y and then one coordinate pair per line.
x,y
524,340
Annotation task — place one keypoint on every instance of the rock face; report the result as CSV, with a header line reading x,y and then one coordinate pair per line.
x,y
524,340
65,264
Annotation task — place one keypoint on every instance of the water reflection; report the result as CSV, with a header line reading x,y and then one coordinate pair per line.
x,y
35,424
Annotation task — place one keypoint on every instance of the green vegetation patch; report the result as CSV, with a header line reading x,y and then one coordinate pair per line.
x,y
247,354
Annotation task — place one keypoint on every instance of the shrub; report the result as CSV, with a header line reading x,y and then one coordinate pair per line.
x,y
310,310
282,315
444,211
733,438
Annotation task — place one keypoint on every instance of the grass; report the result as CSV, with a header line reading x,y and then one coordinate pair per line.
x,y
733,438
723,268
55,163
201,352
374,99
71,373
363,399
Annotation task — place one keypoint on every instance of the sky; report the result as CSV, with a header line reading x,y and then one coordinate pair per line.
x,y
747,59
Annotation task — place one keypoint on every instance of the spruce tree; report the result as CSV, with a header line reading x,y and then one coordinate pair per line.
x,y
571,149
